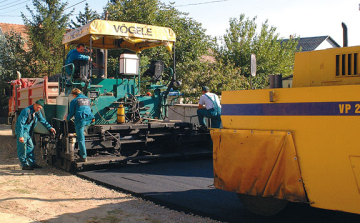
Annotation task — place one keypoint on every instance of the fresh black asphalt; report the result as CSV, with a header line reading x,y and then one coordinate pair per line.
x,y
187,185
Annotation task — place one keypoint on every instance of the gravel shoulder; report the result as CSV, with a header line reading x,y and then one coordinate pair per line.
x,y
52,195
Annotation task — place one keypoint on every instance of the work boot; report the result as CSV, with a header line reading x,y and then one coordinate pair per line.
x,y
81,160
203,128
26,167
35,165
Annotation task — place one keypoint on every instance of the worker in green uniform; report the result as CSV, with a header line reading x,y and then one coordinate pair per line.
x,y
25,125
80,109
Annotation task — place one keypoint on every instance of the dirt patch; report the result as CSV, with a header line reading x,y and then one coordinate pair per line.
x,y
52,195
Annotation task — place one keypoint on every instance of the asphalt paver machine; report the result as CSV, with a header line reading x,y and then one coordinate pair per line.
x,y
129,125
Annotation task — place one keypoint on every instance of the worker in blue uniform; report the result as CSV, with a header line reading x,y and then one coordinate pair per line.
x,y
75,54
25,125
80,109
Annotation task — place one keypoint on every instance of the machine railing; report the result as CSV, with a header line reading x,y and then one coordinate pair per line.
x,y
62,123
64,74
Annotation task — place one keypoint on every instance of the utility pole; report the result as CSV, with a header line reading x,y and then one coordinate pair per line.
x,y
105,51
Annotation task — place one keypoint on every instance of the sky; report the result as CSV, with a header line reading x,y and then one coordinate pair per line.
x,y
303,18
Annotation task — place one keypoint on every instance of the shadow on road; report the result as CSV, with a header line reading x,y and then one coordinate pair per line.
x,y
186,185
227,209
124,211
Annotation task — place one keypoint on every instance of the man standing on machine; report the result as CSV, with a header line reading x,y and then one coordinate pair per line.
x,y
80,109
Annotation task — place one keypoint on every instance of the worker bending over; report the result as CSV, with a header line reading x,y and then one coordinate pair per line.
x,y
24,129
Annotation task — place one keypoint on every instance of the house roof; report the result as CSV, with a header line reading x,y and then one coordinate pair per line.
x,y
311,43
21,29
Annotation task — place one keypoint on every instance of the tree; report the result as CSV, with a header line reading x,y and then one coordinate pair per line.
x,y
13,58
217,76
84,18
273,55
192,42
46,30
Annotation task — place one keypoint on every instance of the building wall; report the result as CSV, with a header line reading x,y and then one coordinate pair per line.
x,y
21,29
184,113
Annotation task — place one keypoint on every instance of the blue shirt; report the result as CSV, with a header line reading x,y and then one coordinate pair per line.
x,y
80,109
27,120
74,55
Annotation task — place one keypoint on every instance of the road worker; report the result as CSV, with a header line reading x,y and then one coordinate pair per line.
x,y
209,106
25,125
76,54
80,109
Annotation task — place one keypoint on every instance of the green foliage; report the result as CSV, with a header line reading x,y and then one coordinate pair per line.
x,y
192,43
113,66
273,55
217,76
13,58
46,28
229,68
84,18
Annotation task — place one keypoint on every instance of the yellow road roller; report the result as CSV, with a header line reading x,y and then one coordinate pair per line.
x,y
296,144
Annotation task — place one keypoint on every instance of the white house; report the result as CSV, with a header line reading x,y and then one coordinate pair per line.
x,y
315,43
310,44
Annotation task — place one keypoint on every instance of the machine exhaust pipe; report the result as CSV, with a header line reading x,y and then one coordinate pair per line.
x,y
345,36
275,81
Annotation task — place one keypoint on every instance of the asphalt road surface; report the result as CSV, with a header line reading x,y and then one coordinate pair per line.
x,y
187,185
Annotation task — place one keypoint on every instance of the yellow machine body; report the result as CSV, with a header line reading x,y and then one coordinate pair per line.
x,y
298,144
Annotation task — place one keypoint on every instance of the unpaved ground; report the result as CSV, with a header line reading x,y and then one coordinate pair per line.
x,y
52,195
